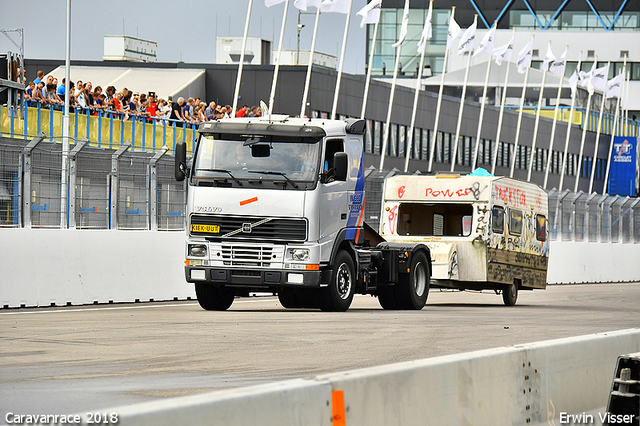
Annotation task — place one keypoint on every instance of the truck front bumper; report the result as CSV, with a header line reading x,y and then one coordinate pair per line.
x,y
263,278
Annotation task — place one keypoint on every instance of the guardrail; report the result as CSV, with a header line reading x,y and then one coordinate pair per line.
x,y
532,384
103,129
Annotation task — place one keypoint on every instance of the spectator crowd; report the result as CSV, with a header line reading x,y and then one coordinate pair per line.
x,y
125,103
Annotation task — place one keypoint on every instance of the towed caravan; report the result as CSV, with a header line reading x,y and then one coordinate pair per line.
x,y
483,232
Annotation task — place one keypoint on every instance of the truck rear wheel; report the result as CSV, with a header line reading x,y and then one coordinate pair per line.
x,y
510,295
337,297
214,298
412,289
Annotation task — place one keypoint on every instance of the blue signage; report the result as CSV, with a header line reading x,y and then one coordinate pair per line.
x,y
622,175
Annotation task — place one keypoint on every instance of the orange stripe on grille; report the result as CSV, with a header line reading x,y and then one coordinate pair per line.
x,y
250,200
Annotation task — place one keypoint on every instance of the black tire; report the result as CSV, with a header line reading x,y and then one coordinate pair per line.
x,y
337,297
214,298
412,289
289,299
387,298
510,295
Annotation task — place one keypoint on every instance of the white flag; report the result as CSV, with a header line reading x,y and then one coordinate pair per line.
x,y
336,6
426,31
304,4
548,58
503,53
454,31
558,66
466,41
270,3
370,13
524,58
486,45
599,78
614,86
405,25
586,79
573,82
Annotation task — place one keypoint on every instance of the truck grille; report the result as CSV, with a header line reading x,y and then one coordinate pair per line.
x,y
234,255
269,229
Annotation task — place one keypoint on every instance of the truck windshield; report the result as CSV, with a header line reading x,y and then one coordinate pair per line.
x,y
243,159
442,220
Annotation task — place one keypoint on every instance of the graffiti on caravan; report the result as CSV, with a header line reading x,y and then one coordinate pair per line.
x,y
511,196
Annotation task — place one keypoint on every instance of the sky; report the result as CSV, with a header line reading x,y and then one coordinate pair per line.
x,y
184,30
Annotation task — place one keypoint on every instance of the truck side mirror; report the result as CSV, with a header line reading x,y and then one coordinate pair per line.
x,y
180,171
340,161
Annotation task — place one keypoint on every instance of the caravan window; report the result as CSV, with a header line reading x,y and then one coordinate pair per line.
x,y
515,222
497,220
441,220
541,228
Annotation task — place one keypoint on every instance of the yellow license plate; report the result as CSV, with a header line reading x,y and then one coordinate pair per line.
x,y
209,229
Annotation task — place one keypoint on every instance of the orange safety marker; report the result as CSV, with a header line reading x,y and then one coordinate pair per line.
x,y
250,200
337,407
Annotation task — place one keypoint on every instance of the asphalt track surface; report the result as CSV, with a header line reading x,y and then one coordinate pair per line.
x,y
81,359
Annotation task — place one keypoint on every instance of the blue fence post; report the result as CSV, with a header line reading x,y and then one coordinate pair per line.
x,y
51,123
75,127
39,126
164,133
153,128
11,115
88,121
174,136
122,132
111,131
99,127
144,133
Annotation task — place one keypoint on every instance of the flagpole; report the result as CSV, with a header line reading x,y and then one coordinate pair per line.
x,y
366,84
537,122
461,109
605,188
310,66
553,130
482,106
566,142
241,65
344,47
277,68
501,116
385,139
439,103
414,111
585,124
595,151
519,125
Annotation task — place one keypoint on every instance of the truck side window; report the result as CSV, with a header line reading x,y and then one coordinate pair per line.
x,y
333,146
497,220
541,228
515,222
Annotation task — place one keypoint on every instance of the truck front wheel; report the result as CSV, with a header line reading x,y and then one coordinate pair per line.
x,y
214,298
412,289
337,297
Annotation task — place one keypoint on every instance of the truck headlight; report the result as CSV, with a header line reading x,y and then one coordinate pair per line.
x,y
197,250
299,254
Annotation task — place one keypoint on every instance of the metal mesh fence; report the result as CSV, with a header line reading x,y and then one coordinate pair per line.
x,y
10,185
46,163
171,198
92,189
133,192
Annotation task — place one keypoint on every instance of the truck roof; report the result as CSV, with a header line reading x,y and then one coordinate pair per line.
x,y
285,126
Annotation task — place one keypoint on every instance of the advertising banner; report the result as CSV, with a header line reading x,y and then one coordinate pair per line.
x,y
622,177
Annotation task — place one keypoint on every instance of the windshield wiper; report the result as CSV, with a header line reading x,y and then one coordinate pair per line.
x,y
222,171
268,172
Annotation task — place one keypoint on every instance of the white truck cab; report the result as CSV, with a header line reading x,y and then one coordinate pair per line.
x,y
484,232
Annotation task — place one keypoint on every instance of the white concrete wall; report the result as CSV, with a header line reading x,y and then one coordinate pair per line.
x,y
579,262
521,385
41,267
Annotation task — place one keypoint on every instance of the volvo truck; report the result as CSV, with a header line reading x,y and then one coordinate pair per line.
x,y
276,205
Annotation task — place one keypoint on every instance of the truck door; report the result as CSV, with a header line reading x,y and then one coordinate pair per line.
x,y
333,208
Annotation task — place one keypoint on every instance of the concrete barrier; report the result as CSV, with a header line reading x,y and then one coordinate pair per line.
x,y
520,385
44,267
